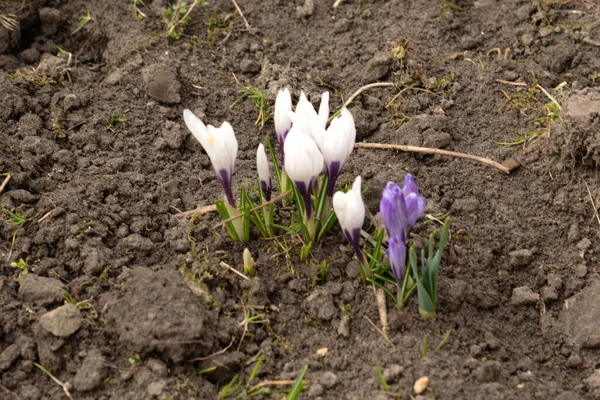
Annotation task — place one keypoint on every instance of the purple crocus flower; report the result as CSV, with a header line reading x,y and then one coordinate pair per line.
x,y
397,256
393,211
415,204
401,208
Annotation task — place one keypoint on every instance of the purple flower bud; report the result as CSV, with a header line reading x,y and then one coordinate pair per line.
x,y
397,256
393,211
401,208
415,204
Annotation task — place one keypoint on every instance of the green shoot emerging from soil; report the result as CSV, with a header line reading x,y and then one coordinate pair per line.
x,y
55,379
259,99
83,20
178,17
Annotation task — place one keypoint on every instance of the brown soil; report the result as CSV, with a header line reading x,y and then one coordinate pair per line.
x,y
100,199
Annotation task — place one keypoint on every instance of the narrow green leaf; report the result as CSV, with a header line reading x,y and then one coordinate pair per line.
x,y
297,388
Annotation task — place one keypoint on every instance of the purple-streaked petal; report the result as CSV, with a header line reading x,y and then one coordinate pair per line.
x,y
266,189
397,256
393,211
333,172
225,180
409,186
305,192
354,239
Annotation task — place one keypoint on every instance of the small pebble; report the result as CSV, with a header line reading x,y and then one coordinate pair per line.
x,y
421,385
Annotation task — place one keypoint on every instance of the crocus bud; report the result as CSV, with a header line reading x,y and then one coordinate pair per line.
x,y
303,163
350,211
221,147
400,208
305,117
397,255
248,262
393,211
336,144
263,171
283,121
415,204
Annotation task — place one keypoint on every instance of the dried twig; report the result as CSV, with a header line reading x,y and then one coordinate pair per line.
x,y
241,14
198,211
381,306
592,201
426,150
358,92
229,267
382,333
337,4
511,83
4,183
8,391
410,88
213,354
9,22
258,207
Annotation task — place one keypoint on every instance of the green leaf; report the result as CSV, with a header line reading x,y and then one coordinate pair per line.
x,y
224,214
426,306
297,388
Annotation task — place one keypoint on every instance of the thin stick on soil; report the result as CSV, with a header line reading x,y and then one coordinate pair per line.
x,y
229,267
198,211
8,391
381,306
358,92
337,4
4,183
213,354
426,150
55,379
241,14
410,88
266,203
510,83
592,201
382,333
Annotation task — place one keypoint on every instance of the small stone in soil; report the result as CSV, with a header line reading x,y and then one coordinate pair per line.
x,y
593,383
580,317
162,84
328,379
343,328
8,357
523,296
490,371
319,305
91,373
421,385
39,290
392,373
62,321
520,258
574,361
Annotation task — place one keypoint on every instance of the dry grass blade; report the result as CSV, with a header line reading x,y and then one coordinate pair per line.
x,y
9,22
427,150
198,211
4,183
592,201
381,306
239,10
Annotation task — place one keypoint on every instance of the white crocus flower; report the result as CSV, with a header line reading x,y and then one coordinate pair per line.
x,y
282,117
263,171
306,119
350,211
336,145
221,147
303,164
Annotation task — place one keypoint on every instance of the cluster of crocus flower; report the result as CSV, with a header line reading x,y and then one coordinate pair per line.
x,y
400,209
307,146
